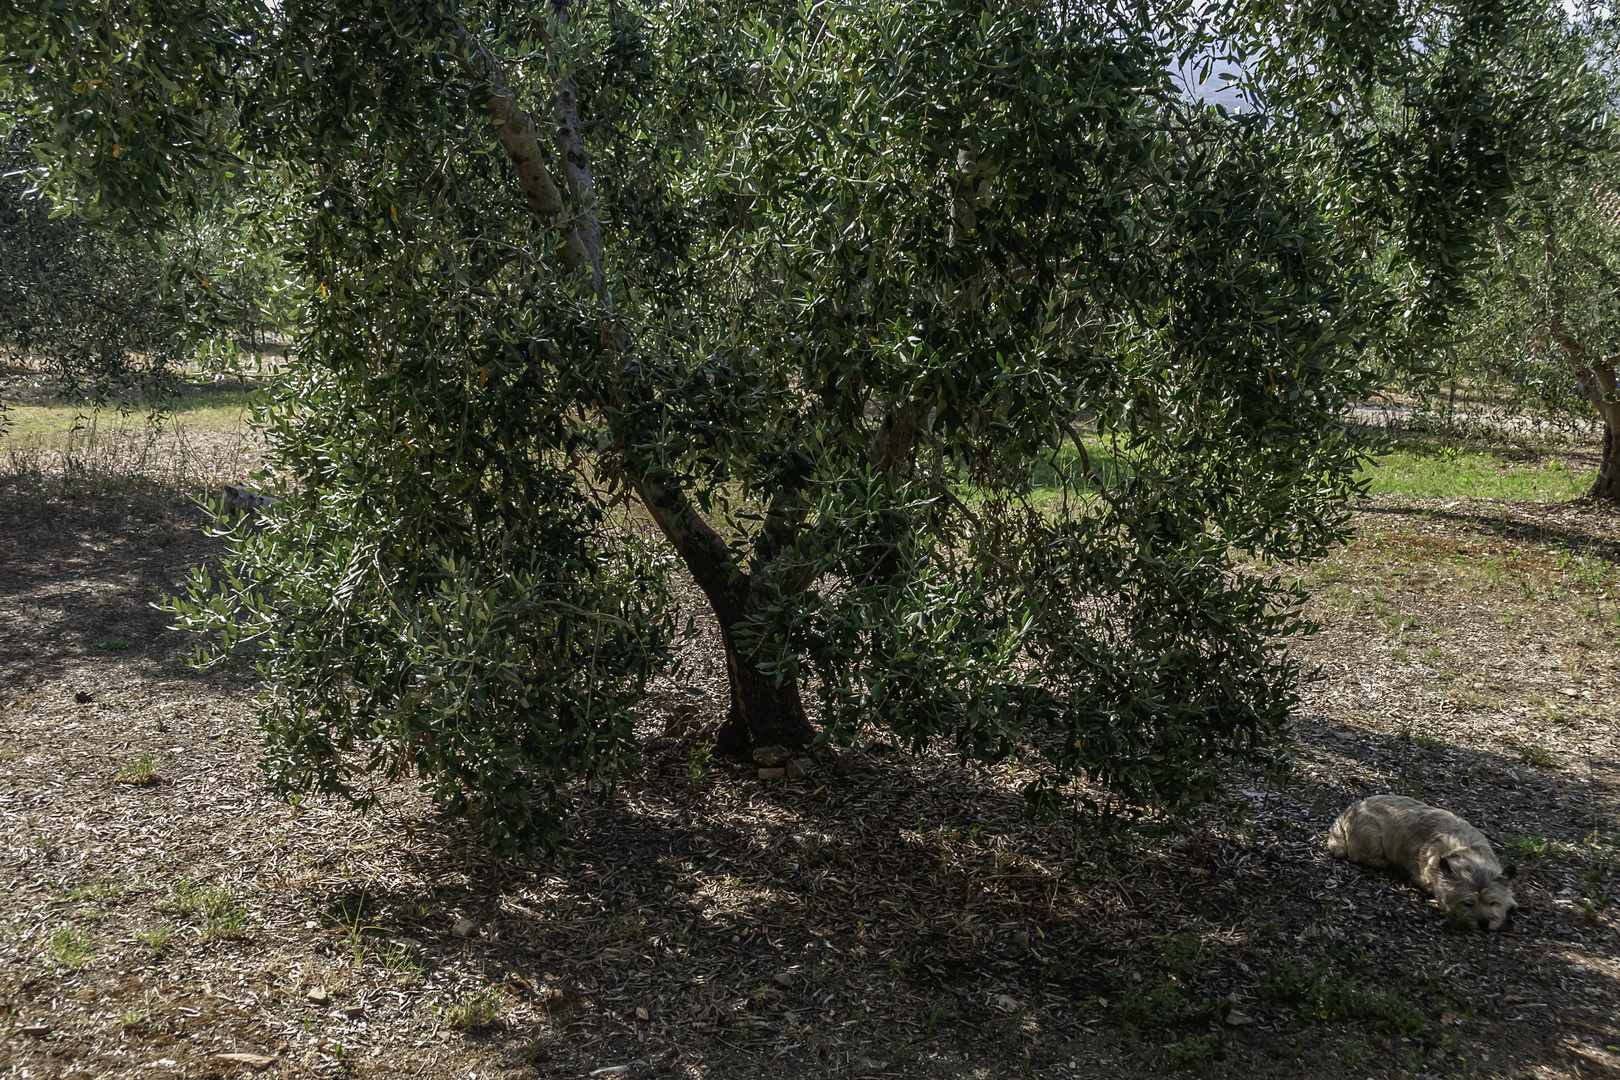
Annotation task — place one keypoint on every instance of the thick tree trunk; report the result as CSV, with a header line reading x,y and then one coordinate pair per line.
x,y
1598,378
1607,484
762,713
1605,393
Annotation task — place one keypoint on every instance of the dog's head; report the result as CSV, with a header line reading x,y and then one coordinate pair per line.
x,y
1478,893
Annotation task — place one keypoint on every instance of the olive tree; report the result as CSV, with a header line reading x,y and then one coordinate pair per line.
x,y
805,289
1548,336
85,309
103,314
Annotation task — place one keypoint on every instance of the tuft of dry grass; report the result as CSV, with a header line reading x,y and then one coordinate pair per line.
x,y
139,772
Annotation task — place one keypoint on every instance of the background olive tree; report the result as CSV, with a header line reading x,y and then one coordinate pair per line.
x,y
807,290
109,314
1547,339
1438,135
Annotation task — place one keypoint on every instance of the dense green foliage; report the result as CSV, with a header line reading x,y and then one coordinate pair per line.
x,y
1547,338
814,285
108,314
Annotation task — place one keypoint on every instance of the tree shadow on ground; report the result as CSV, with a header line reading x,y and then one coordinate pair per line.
x,y
903,918
79,578
839,920
1559,525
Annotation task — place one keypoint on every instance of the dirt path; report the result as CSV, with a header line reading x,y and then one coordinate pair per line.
x,y
883,915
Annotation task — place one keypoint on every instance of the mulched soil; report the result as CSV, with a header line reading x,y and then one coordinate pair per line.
x,y
886,914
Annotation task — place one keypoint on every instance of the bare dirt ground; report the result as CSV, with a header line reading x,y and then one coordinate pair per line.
x,y
161,916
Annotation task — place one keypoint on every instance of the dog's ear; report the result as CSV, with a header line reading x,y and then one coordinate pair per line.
x,y
1510,871
1446,868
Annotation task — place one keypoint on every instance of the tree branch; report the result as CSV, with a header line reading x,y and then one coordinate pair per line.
x,y
705,552
520,138
1597,378
896,438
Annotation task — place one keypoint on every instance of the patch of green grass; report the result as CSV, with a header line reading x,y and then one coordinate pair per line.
x,y
112,643
1200,1051
536,1050
1532,754
416,907
475,1011
70,947
101,890
626,925
1180,952
401,961
1451,472
1355,1052
139,772
222,916
1418,739
1526,848
1043,472
699,760
155,938
1595,897
354,927
1150,1007
52,425
1325,993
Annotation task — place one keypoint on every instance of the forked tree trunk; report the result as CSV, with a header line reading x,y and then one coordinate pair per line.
x,y
762,713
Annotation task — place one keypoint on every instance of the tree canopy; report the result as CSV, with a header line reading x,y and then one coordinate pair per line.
x,y
113,314
808,289
1547,337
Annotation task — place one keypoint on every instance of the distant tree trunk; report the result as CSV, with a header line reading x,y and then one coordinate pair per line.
x,y
1596,376
1607,485
1606,395
1598,380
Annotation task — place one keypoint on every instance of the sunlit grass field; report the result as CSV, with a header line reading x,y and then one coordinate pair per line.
x,y
53,426
1447,472
1415,468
